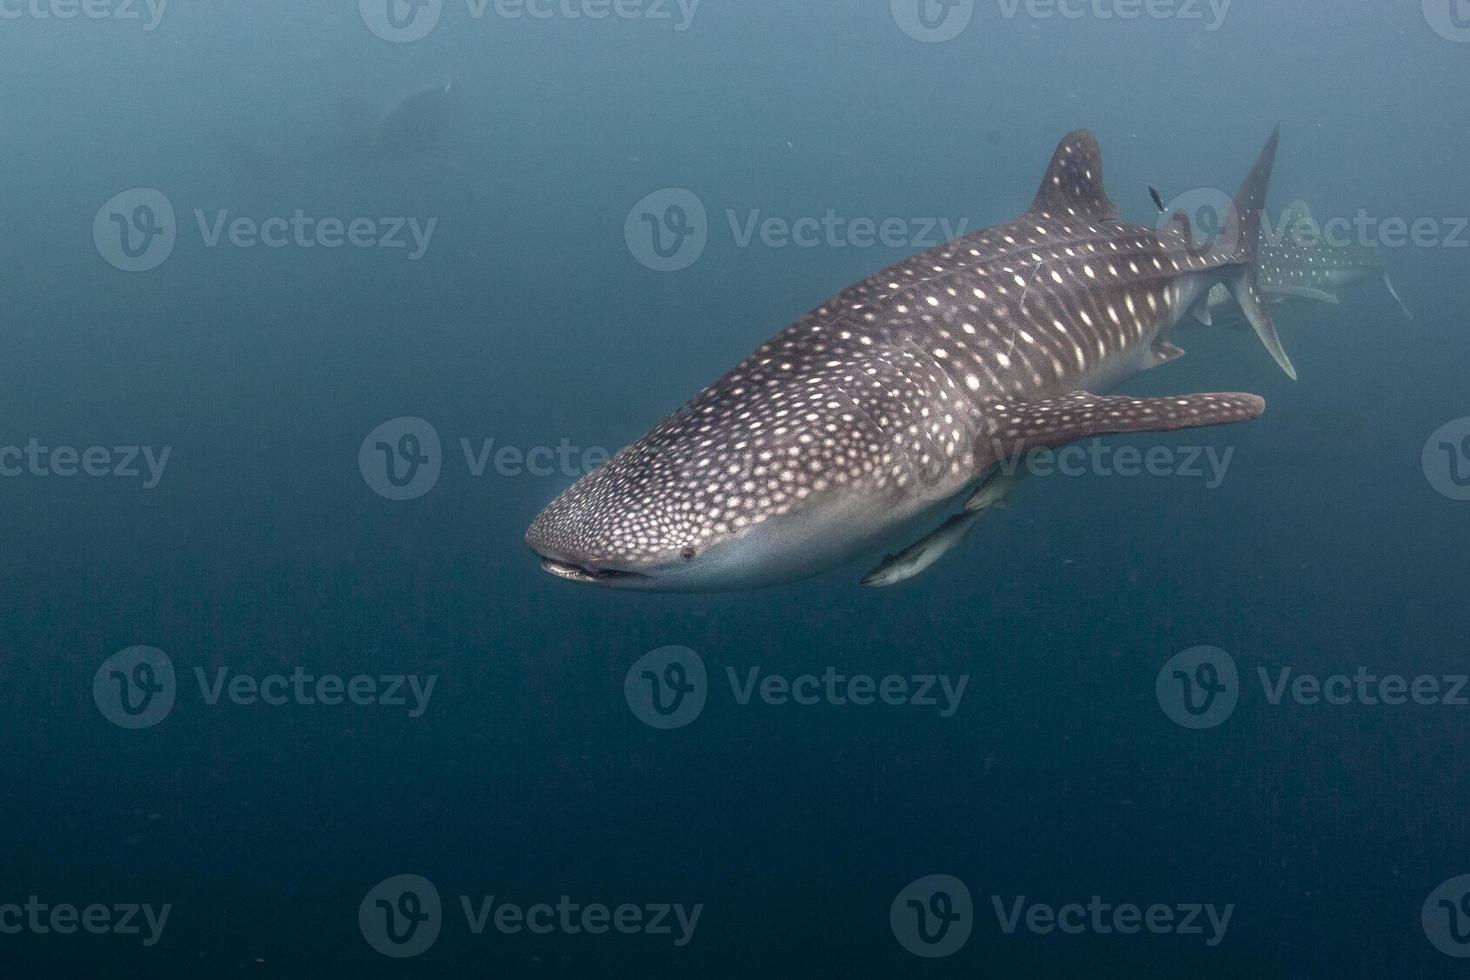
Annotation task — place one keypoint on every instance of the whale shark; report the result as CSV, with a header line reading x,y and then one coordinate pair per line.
x,y
414,121
1297,263
415,124
885,403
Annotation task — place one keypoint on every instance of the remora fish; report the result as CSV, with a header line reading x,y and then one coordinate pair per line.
x,y
889,400
412,124
919,558
1296,262
415,121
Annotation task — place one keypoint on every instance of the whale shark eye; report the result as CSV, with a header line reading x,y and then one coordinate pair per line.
x,y
688,554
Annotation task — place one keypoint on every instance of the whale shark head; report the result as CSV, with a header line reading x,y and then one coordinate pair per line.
x,y
729,494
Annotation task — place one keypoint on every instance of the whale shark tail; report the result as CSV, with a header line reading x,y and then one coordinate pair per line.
x,y
1243,276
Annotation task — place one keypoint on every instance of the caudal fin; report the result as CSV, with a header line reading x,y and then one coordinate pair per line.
x,y
1243,279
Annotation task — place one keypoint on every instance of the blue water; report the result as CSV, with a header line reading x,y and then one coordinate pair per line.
x,y
261,545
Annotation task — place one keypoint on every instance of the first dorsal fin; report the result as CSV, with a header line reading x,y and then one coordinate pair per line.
x,y
1073,184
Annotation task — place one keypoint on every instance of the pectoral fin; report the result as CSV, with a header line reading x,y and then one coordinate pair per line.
x,y
1166,353
1017,428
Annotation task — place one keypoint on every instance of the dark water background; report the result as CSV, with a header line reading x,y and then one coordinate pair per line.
x,y
529,321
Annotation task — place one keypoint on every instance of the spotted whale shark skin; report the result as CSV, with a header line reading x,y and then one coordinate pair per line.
x,y
1296,263
880,406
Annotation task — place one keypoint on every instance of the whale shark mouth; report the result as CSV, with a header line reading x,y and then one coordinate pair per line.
x,y
588,574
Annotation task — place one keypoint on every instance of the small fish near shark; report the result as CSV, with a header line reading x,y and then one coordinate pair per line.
x,y
886,403
1297,263
412,125
918,559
